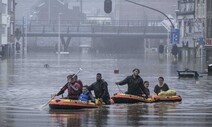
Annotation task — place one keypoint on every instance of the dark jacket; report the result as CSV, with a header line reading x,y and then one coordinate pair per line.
x,y
161,49
135,85
158,89
100,90
146,90
174,50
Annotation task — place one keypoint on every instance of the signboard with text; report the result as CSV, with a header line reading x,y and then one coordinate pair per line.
x,y
167,24
174,35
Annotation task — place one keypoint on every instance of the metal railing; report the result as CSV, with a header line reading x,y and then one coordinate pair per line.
x,y
121,26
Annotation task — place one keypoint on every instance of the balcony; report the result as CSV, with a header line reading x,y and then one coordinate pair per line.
x,y
185,13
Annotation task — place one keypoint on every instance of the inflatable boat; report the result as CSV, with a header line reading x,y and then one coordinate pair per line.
x,y
175,98
71,104
128,98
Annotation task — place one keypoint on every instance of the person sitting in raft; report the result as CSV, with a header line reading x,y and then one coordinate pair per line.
x,y
135,84
86,95
146,88
100,88
161,86
74,87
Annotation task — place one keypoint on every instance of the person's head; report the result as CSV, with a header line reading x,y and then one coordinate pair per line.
x,y
72,78
160,80
146,84
85,88
98,76
136,71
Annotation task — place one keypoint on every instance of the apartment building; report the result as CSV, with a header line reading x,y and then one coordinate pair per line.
x,y
208,31
7,20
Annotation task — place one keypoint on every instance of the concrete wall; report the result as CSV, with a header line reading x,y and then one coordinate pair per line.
x,y
1,20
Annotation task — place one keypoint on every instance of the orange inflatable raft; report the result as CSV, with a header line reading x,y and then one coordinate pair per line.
x,y
167,98
71,104
128,98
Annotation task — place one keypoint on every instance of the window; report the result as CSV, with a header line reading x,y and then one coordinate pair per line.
x,y
3,30
209,5
12,5
209,28
11,28
2,8
189,26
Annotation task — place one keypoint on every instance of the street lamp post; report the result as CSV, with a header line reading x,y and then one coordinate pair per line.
x,y
152,9
49,11
172,25
59,32
25,48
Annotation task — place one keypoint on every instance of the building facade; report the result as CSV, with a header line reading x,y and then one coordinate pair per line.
x,y
185,18
7,21
195,23
208,30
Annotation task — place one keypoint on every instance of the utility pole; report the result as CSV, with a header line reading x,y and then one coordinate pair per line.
x,y
49,11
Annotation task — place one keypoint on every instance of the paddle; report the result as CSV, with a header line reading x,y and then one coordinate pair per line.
x,y
117,72
80,69
47,102
119,89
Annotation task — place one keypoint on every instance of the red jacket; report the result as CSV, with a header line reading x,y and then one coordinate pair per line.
x,y
74,90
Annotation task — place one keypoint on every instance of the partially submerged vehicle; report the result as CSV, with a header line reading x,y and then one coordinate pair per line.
x,y
188,74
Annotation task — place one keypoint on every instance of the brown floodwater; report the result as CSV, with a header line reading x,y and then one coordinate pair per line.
x,y
26,85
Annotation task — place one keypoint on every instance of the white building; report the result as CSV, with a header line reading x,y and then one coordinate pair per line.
x,y
185,18
7,20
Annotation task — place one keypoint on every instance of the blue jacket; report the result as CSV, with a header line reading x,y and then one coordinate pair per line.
x,y
85,96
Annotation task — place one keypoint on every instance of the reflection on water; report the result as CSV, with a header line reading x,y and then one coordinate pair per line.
x,y
25,85
68,118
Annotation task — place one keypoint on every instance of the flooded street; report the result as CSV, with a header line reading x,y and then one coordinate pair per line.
x,y
26,85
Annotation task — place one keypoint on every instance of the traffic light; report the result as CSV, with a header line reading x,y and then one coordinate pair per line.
x,y
108,6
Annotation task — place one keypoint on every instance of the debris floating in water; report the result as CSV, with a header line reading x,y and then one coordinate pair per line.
x,y
46,65
116,71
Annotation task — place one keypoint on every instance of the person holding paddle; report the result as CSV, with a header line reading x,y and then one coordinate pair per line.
x,y
135,84
74,87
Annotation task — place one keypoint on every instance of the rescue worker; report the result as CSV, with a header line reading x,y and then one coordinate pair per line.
x,y
135,84
100,88
74,87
